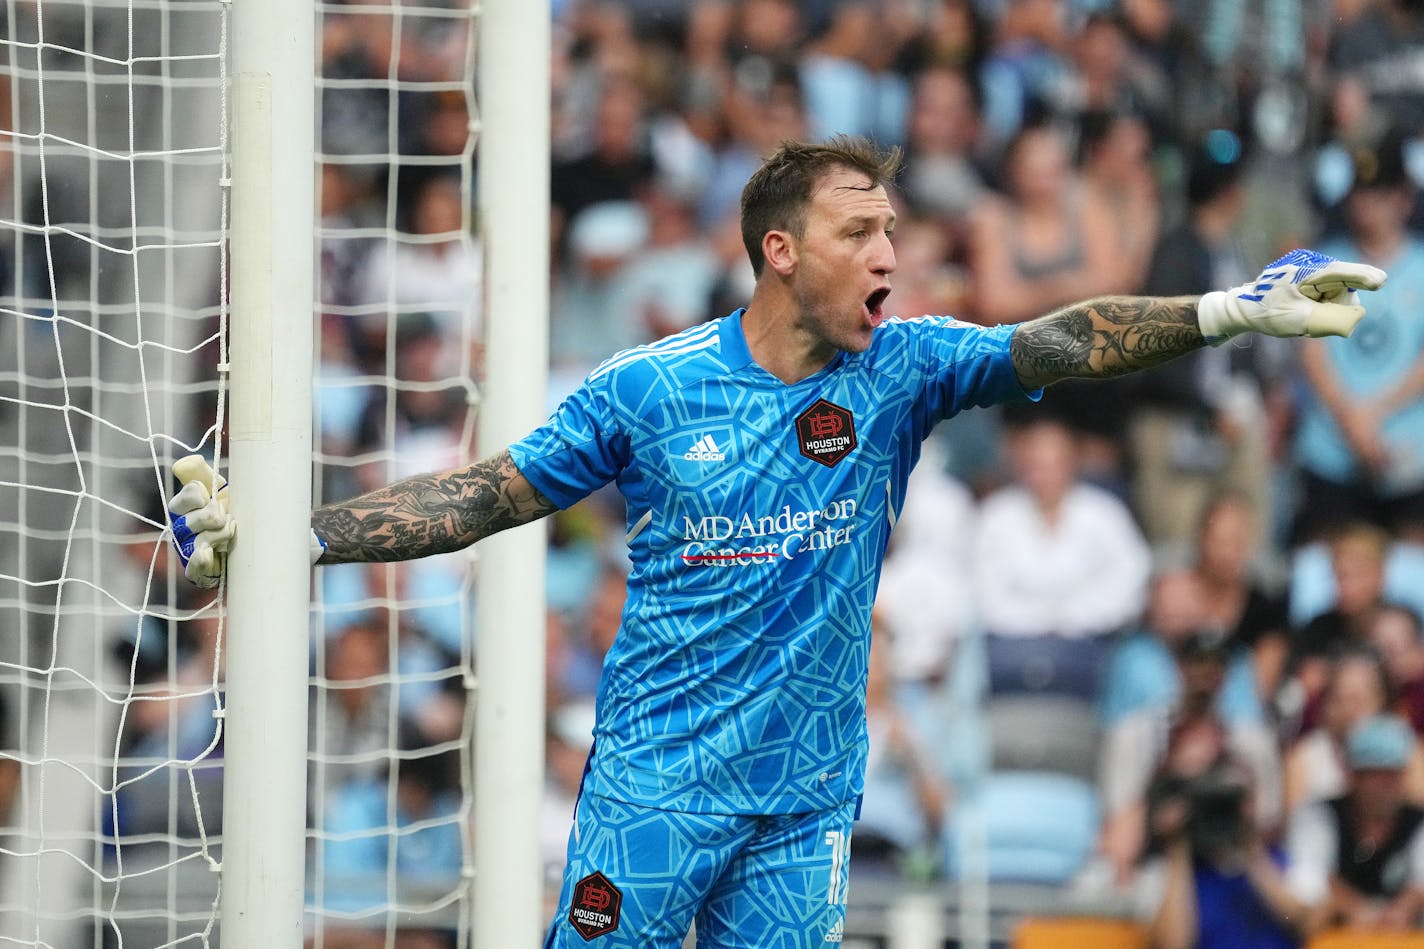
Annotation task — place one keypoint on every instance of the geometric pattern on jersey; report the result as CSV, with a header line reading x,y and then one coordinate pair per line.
x,y
736,682
776,882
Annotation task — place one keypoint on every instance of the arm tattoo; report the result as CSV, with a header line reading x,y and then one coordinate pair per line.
x,y
1109,336
429,514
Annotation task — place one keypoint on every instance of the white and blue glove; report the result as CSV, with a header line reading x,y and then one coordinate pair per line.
x,y
1302,294
203,529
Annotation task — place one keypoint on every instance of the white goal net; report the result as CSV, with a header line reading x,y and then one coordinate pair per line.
x,y
114,332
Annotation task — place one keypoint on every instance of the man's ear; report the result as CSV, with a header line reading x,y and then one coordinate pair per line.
x,y
779,250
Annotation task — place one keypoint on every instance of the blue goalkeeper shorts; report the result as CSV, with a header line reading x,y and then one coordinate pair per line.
x,y
637,877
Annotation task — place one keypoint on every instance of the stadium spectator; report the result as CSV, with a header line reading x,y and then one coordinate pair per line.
x,y
170,717
925,607
616,166
1058,565
1024,64
433,268
1383,43
1109,76
953,37
1041,244
1192,731
1218,882
587,314
1355,122
763,109
1232,597
351,707
668,286
1361,854
849,87
942,168
367,836
1360,438
1197,425
1357,562
1397,634
1315,763
1116,148
1142,673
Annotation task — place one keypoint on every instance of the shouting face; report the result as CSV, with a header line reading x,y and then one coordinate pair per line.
x,y
840,267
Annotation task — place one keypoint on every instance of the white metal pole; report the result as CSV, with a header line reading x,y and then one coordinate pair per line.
x,y
513,208
264,784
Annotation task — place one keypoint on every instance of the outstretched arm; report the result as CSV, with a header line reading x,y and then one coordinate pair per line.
x,y
1301,294
429,514
1108,336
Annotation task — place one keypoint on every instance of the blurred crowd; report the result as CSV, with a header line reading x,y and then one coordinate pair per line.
x,y
1158,638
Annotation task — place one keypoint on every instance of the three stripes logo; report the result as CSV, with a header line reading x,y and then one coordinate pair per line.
x,y
837,932
705,450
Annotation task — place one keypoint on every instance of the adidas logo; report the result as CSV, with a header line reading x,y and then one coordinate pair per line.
x,y
837,933
705,450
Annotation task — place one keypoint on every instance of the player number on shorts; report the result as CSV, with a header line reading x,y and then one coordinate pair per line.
x,y
839,846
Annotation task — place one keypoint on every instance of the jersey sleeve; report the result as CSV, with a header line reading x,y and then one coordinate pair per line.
x,y
965,365
578,450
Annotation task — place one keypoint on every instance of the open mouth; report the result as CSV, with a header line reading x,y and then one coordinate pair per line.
x,y
875,301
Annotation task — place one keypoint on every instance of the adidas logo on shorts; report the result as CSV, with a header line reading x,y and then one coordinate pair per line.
x,y
837,932
705,450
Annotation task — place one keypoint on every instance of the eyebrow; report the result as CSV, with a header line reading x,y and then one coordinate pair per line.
x,y
867,219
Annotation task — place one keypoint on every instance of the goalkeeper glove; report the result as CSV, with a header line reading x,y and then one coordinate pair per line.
x,y
1301,294
202,527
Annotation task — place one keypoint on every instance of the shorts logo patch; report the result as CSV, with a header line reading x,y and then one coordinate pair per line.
x,y
825,432
595,908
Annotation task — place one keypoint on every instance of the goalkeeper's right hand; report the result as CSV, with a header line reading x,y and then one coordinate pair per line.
x,y
1303,293
203,529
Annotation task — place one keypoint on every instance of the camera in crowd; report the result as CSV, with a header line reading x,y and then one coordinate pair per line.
x,y
1210,809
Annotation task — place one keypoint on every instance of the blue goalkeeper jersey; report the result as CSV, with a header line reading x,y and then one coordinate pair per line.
x,y
758,514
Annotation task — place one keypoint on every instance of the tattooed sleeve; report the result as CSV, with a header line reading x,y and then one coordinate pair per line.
x,y
1108,336
429,514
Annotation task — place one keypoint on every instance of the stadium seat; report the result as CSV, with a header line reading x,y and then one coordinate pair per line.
x,y
1026,826
1055,733
1358,939
1075,933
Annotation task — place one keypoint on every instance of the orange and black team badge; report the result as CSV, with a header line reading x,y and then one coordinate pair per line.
x,y
595,906
826,432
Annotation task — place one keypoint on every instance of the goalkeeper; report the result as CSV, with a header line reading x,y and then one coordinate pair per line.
x,y
763,457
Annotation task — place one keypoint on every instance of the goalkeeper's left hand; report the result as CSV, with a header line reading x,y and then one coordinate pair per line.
x,y
1302,294
202,527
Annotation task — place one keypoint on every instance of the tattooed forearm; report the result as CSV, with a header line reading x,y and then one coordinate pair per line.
x,y
1108,336
429,514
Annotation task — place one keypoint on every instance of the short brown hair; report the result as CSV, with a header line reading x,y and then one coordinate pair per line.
x,y
776,197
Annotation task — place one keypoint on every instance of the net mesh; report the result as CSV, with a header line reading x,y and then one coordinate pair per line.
x,y
113,339
399,350
111,162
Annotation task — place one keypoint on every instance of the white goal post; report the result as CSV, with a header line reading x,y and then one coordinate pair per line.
x,y
272,95
514,83
162,229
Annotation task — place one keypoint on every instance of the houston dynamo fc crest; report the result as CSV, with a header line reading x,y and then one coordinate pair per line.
x,y
826,432
595,906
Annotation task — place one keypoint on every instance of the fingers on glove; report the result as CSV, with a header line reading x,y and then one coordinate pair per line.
x,y
206,519
204,568
193,496
1341,275
1333,319
220,537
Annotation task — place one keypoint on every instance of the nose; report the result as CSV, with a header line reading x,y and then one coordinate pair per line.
x,y
882,260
